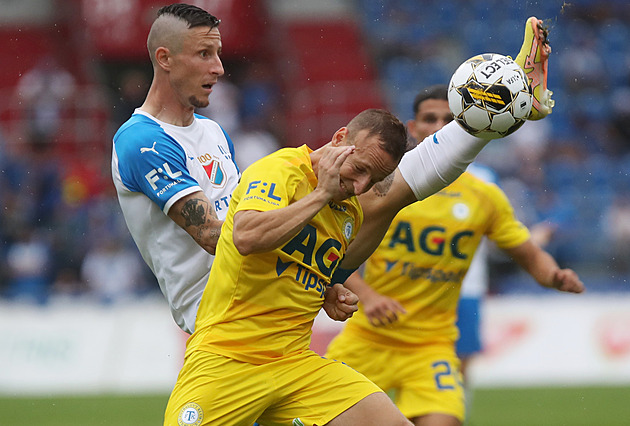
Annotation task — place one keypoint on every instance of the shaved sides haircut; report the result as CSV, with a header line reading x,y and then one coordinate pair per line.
x,y
172,21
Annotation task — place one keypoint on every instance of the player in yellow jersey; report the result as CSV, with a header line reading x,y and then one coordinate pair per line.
x,y
290,222
403,336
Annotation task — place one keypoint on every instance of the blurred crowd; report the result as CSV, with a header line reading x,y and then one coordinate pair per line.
x,y
62,234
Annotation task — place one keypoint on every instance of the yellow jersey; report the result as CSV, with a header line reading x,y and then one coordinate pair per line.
x,y
425,254
260,307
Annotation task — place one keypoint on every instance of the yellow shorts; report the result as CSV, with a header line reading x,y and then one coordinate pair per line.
x,y
214,390
422,381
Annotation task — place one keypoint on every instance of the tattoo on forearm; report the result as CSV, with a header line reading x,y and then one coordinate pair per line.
x,y
194,212
213,233
382,188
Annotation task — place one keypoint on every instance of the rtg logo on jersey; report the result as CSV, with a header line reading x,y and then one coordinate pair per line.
x,y
191,414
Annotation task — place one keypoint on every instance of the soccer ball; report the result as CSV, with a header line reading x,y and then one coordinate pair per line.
x,y
489,96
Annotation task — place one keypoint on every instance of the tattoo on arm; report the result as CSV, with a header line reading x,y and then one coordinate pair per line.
x,y
194,212
382,188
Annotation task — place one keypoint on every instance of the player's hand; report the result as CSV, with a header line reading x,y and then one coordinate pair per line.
x,y
328,168
381,310
340,303
567,280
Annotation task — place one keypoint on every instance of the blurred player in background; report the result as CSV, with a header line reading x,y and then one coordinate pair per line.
x,y
403,337
174,170
431,112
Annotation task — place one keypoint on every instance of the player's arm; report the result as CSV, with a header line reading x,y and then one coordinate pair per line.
x,y
429,167
544,269
380,205
380,310
195,215
260,231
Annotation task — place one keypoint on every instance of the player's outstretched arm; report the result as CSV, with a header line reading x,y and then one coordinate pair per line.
x,y
195,215
544,269
430,166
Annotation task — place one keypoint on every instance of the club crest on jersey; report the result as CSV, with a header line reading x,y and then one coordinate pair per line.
x,y
348,228
461,211
191,414
213,168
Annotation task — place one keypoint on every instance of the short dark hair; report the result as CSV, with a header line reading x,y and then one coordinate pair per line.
x,y
193,15
437,91
386,126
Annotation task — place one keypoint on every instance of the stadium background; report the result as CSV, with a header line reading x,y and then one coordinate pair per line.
x,y
79,312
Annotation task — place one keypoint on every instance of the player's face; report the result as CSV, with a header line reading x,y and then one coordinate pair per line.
x,y
197,67
433,114
367,165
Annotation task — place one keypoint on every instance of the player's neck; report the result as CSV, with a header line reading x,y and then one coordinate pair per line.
x,y
315,156
166,108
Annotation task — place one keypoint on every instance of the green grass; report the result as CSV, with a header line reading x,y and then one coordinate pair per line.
x,y
491,407
570,406
127,410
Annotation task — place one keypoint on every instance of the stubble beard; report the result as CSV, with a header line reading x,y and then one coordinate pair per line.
x,y
199,102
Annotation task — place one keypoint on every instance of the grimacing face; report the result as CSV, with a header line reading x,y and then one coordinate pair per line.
x,y
196,67
367,165
433,114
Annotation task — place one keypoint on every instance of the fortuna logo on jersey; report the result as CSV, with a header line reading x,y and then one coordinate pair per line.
x,y
165,173
213,168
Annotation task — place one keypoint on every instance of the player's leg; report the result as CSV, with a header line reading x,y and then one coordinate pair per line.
x,y
379,363
375,409
468,323
469,342
437,419
215,390
533,58
432,393
313,390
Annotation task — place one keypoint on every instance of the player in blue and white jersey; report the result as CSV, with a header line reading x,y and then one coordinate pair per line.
x,y
174,170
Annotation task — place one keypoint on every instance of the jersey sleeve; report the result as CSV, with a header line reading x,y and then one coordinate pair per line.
x,y
506,230
153,163
267,184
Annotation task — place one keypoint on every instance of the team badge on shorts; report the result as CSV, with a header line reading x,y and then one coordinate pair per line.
x,y
348,228
191,414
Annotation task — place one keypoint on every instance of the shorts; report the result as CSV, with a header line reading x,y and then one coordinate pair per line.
x,y
421,381
215,390
469,342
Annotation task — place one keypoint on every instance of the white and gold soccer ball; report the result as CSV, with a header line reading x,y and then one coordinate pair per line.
x,y
489,96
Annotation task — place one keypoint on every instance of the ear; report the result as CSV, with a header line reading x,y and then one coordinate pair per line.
x,y
411,125
340,136
163,58
411,129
